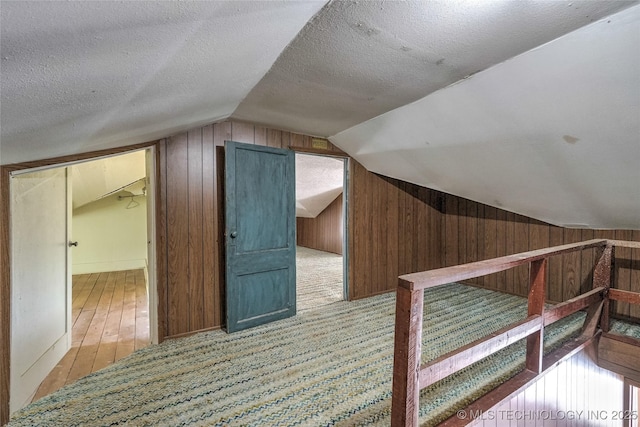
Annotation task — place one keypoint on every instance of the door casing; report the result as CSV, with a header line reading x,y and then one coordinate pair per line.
x,y
5,257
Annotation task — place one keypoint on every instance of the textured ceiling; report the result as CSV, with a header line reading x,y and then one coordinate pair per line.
x,y
80,75
359,59
319,181
502,93
551,135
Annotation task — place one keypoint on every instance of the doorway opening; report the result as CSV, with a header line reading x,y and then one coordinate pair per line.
x,y
108,296
320,230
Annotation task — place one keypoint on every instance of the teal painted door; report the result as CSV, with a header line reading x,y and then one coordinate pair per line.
x,y
260,235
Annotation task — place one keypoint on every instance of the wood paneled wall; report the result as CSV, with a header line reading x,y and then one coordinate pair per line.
x,y
394,228
190,218
324,232
472,231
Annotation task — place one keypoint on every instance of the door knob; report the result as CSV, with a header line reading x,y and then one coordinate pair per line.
x,y
234,234
73,243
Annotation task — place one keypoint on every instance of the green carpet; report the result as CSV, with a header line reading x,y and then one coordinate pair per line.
x,y
318,278
328,366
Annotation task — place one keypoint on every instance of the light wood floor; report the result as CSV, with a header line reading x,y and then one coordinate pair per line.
x,y
110,318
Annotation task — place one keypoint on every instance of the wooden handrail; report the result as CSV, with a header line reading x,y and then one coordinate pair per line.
x,y
409,377
457,273
456,360
624,296
573,305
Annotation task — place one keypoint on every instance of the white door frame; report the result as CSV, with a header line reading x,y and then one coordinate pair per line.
x,y
151,223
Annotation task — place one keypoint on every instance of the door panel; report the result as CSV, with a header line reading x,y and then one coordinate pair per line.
x,y
260,235
40,329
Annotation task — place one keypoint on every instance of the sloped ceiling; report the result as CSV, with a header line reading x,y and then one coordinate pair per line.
x,y
319,180
94,180
530,106
83,75
547,134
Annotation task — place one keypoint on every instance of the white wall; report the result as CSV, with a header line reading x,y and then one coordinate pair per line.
x,y
577,392
110,237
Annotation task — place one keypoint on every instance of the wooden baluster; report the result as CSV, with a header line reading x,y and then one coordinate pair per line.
x,y
537,285
405,400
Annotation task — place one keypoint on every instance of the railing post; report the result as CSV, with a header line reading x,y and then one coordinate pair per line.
x,y
537,291
603,276
405,400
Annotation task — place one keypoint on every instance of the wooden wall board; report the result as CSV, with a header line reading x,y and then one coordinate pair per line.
x,y
323,232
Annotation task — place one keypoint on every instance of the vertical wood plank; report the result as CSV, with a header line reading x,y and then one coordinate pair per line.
x,y
210,302
423,230
162,239
462,230
195,218
623,265
358,219
634,309
392,237
222,132
571,266
323,232
260,134
586,262
243,132
450,234
521,273
405,401
555,283
177,235
402,227
412,237
296,140
286,139
481,247
436,222
490,242
511,249
472,231
538,235
501,247
274,138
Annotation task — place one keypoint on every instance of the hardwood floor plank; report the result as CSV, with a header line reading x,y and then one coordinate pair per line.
x,y
110,321
58,376
106,352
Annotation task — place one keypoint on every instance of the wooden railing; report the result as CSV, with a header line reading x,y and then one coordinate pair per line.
x,y
409,376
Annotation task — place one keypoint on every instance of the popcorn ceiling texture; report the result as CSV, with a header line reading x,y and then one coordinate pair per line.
x,y
529,106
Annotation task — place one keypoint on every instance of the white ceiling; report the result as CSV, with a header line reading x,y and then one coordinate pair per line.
x,y
94,180
530,106
319,180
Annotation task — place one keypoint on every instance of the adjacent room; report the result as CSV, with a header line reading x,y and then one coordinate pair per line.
x,y
320,213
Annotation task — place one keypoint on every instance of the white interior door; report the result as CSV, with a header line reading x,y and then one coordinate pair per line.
x,y
40,282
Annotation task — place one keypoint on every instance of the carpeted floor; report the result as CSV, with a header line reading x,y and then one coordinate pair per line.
x,y
318,278
324,367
